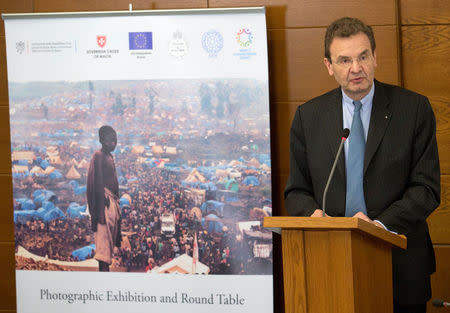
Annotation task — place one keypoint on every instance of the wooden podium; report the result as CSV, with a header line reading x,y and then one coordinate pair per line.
x,y
336,264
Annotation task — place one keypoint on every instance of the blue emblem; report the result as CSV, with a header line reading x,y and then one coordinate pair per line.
x,y
212,42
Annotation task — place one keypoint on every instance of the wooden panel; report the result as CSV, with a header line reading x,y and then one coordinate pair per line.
x,y
328,269
294,271
440,280
425,11
7,277
6,211
297,72
113,5
439,220
282,116
425,70
16,6
425,59
372,270
3,73
313,13
441,108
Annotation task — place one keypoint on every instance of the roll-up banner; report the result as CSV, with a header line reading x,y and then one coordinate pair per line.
x,y
140,147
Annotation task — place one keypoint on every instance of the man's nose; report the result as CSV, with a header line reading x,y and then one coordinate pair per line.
x,y
355,66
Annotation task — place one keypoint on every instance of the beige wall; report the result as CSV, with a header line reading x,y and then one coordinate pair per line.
x,y
412,48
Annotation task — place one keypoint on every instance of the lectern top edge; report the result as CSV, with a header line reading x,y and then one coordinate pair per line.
x,y
334,223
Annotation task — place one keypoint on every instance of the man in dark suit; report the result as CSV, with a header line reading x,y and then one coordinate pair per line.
x,y
389,176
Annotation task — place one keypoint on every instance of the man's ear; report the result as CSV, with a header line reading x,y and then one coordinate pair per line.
x,y
329,66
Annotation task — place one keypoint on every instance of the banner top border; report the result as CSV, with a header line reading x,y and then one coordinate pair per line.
x,y
10,16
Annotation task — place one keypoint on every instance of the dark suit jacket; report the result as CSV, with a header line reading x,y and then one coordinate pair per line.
x,y
401,174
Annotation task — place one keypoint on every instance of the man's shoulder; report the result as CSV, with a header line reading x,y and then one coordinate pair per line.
x,y
322,102
393,91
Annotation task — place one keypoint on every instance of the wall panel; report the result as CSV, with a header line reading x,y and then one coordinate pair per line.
x,y
317,13
6,212
425,11
113,5
425,70
7,277
16,6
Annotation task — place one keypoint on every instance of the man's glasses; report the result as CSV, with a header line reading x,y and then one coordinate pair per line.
x,y
346,62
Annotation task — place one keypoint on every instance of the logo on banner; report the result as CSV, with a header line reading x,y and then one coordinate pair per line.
x,y
101,41
102,53
178,46
140,41
244,37
20,47
212,42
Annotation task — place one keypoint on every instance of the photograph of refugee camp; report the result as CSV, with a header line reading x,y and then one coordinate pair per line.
x,y
192,164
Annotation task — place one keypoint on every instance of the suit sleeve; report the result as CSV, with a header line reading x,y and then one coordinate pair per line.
x,y
422,194
298,194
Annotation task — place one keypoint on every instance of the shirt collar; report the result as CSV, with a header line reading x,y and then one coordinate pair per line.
x,y
346,100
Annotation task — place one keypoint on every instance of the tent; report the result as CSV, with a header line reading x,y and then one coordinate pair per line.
x,y
44,164
232,185
53,214
55,175
42,195
212,205
251,180
37,170
254,162
21,217
157,149
26,204
83,253
73,173
83,164
23,169
23,155
182,265
197,212
195,176
79,190
138,149
171,150
212,223
75,210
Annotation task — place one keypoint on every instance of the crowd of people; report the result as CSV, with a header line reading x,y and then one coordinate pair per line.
x,y
153,191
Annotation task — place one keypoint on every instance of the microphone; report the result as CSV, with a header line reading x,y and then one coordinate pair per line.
x,y
345,134
440,303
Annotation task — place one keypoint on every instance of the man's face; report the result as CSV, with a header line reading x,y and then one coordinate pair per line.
x,y
109,142
352,64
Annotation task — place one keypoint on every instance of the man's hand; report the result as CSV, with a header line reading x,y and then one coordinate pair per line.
x,y
363,216
318,213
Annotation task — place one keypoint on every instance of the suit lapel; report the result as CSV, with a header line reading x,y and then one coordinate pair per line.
x,y
379,120
335,122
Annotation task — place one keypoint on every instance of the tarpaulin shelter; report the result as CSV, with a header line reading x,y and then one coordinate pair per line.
x,y
55,175
79,190
41,195
232,185
212,205
75,210
53,214
212,223
26,204
251,180
83,253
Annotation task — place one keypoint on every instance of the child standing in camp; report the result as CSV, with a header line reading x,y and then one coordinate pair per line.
x,y
102,192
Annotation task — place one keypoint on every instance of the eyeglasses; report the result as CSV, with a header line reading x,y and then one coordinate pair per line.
x,y
346,62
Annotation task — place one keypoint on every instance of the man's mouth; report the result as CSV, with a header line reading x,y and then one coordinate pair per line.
x,y
357,80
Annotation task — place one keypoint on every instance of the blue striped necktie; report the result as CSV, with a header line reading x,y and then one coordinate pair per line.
x,y
355,191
